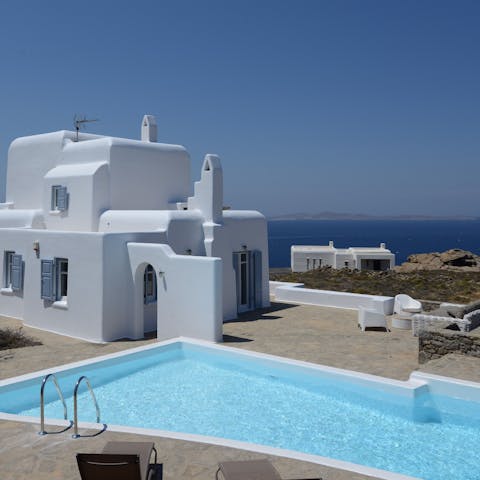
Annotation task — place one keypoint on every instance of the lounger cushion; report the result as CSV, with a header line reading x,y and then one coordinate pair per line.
x,y
249,470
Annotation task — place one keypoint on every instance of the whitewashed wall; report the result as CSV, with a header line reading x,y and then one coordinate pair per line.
x,y
100,288
82,317
136,175
29,160
189,294
296,294
242,229
88,196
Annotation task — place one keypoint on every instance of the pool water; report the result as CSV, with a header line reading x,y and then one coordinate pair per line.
x,y
186,389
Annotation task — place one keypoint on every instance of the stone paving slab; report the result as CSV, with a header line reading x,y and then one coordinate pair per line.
x,y
327,336
24,455
320,335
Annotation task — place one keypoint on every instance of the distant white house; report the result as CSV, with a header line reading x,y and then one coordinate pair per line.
x,y
102,238
310,257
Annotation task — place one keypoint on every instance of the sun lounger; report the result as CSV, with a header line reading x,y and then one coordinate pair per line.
x,y
249,470
120,461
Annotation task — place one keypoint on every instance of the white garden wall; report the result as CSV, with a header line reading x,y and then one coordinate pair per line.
x,y
189,301
326,298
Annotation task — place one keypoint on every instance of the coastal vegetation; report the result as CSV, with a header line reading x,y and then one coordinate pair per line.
x,y
433,285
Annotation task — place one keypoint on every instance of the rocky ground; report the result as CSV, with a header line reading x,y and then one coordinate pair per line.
x,y
454,260
452,276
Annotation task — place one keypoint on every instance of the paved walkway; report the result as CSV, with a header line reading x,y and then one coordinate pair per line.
x,y
319,335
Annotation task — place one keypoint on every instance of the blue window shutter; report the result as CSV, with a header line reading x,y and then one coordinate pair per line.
x,y
62,198
236,269
257,266
235,261
251,280
17,272
47,291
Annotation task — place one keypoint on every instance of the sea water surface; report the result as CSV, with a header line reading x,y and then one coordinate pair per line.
x,y
402,237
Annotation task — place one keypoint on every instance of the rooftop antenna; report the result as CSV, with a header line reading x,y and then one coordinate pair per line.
x,y
79,122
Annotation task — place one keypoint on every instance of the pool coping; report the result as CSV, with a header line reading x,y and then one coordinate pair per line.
x,y
414,385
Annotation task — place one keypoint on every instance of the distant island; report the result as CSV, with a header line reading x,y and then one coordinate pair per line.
x,y
361,216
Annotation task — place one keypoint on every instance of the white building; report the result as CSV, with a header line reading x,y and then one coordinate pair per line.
x,y
101,238
310,257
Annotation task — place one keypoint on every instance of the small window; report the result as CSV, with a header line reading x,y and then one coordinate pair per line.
x,y
149,285
319,262
308,264
59,198
314,266
13,271
61,270
346,264
54,279
7,271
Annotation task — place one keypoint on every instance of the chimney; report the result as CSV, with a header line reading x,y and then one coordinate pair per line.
x,y
149,129
383,245
330,243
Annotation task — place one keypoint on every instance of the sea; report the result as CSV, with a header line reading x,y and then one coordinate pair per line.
x,y
402,237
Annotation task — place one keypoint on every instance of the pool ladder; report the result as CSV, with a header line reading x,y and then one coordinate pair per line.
x,y
42,405
75,406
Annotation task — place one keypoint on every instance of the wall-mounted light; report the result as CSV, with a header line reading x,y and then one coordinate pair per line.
x,y
161,274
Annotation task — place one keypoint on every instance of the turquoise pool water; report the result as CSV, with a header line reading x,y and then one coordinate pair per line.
x,y
187,388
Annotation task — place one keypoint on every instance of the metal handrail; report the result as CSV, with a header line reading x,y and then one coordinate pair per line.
x,y
42,403
75,416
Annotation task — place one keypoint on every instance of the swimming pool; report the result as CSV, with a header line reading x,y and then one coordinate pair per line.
x,y
416,428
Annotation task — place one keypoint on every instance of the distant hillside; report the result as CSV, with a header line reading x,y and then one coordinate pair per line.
x,y
361,216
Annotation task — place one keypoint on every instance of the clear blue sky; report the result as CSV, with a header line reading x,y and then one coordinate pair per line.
x,y
349,106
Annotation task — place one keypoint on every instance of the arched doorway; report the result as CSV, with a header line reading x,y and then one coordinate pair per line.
x,y
149,299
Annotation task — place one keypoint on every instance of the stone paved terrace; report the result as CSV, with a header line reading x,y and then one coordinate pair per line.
x,y
320,335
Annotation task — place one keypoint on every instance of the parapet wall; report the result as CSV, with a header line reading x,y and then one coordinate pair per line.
x,y
294,292
434,342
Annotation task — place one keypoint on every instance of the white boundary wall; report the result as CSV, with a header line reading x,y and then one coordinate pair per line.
x,y
294,292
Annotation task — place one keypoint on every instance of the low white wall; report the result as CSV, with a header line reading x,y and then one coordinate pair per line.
x,y
273,286
189,292
289,292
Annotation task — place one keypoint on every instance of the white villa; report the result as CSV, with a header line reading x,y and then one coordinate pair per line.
x,y
102,238
310,257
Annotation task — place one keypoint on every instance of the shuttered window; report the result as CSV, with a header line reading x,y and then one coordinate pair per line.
x,y
17,273
59,198
13,271
54,278
47,287
61,278
7,269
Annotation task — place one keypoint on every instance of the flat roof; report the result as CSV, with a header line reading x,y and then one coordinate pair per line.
x,y
328,248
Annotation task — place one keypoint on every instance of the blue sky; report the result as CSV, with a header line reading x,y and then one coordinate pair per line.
x,y
348,106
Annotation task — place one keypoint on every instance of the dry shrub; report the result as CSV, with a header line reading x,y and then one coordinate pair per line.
x,y
15,338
